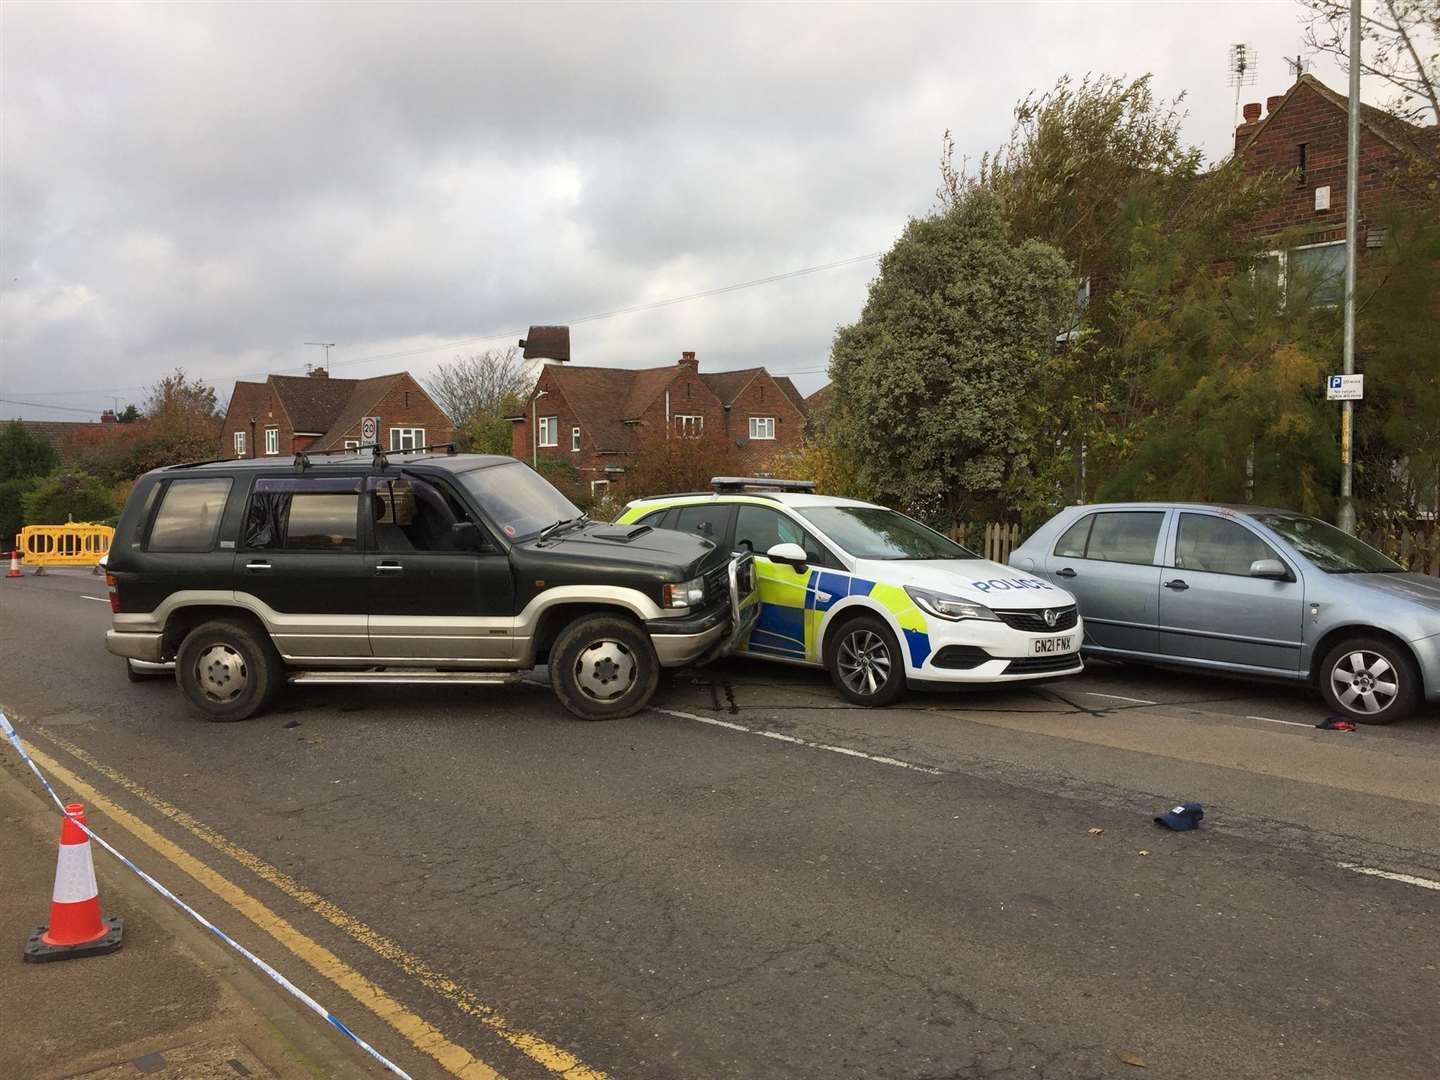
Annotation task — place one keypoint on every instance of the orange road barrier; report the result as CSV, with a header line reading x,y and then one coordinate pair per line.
x,y
76,927
74,544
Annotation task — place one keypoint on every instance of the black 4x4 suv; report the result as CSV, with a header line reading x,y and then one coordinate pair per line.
x,y
407,568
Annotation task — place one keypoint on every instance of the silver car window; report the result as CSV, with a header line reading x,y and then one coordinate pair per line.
x,y
1123,536
1218,546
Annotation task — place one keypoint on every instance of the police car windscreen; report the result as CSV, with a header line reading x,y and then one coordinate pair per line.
x,y
872,532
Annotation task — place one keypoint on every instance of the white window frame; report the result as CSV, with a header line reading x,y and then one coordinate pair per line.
x,y
760,424
548,431
575,440
399,436
689,425
239,442
1282,260
272,440
352,444
599,488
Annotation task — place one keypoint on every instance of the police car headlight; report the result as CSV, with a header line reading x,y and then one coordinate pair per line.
x,y
685,594
949,607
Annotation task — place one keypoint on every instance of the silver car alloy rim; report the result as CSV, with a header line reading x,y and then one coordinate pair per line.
x,y
221,673
605,670
864,662
1365,682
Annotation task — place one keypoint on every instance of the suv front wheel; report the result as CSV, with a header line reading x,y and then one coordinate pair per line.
x,y
603,667
228,670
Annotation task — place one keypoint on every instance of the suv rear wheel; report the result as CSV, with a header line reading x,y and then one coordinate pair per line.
x,y
864,662
1370,681
603,667
228,670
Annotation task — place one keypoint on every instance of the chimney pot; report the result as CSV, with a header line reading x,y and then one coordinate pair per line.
x,y
1272,102
688,359
319,373
1252,112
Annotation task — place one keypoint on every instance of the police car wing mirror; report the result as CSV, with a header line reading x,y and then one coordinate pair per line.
x,y
790,554
1269,568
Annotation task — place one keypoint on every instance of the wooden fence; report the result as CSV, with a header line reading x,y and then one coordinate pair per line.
x,y
1415,546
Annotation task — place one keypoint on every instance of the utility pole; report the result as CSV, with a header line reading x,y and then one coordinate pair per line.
x,y
1346,517
327,346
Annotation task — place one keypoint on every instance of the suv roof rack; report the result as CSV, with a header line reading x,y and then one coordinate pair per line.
x,y
760,483
302,457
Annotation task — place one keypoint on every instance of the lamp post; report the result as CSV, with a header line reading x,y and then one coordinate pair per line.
x,y
535,430
1346,516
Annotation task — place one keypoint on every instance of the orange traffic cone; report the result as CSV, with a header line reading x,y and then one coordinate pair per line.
x,y
14,564
76,927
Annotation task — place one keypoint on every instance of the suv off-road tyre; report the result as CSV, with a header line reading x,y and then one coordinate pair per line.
x,y
1398,672
226,657
604,667
864,650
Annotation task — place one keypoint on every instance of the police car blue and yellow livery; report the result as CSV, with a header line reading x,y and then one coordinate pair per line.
x,y
878,599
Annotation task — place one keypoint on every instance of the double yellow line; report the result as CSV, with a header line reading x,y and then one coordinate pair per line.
x,y
423,1036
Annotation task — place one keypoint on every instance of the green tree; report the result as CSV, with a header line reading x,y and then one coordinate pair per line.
x,y
67,496
23,455
935,374
128,415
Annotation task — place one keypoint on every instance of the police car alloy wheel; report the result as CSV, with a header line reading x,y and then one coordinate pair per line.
x,y
865,663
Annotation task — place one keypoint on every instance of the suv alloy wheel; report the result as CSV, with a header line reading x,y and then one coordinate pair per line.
x,y
603,667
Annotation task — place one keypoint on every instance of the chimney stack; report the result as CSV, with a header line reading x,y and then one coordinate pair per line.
x,y
109,417
687,359
319,373
1272,102
1252,112
1245,130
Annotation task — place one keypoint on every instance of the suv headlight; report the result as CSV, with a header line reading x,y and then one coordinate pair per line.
x,y
949,607
685,594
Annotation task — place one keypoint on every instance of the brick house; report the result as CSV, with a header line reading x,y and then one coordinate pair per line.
x,y
1304,132
594,417
286,413
60,435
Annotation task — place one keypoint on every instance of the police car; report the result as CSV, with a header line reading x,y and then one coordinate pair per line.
x,y
874,597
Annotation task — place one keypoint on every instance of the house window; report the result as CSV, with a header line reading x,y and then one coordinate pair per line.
x,y
239,444
407,438
599,488
689,424
1317,270
352,444
272,440
574,439
549,431
762,427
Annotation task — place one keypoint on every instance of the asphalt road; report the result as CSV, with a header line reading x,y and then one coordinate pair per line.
x,y
753,879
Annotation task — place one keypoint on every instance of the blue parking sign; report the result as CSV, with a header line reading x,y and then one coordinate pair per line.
x,y
1335,382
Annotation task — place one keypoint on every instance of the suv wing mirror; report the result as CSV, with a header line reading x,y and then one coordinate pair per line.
x,y
467,536
1269,568
792,555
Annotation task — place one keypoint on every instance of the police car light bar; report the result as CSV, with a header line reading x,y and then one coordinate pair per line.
x,y
725,484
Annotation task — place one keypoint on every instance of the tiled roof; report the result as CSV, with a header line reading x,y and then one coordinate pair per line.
x,y
55,433
594,393
361,397
793,393
312,404
646,384
819,397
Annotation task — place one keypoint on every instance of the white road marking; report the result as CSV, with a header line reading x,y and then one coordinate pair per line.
x,y
102,599
1120,697
1408,879
1292,723
879,759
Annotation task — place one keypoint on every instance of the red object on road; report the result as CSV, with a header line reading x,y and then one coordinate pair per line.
x,y
76,926
14,564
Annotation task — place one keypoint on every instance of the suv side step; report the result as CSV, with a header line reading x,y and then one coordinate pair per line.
x,y
487,678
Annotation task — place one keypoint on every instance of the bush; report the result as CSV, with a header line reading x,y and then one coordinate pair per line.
x,y
66,496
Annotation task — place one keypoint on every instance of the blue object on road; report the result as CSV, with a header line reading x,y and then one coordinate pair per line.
x,y
1182,818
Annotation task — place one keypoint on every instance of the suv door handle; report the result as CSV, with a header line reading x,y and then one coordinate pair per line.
x,y
257,566
1178,585
1065,571
389,568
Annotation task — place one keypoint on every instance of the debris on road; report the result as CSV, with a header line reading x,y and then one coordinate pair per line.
x,y
1144,851
1182,818
1133,1059
1334,723
1097,832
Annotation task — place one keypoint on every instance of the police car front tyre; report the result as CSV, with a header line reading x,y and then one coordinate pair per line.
x,y
604,667
865,662
229,670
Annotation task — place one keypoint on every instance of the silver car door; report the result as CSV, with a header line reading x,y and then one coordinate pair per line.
x,y
1211,606
1108,560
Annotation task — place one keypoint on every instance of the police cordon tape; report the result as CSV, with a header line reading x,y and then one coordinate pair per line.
x,y
310,1003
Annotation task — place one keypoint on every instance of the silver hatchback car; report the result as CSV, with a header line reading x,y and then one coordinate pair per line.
x,y
1248,591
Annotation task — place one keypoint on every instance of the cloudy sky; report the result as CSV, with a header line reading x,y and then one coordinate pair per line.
x,y
211,186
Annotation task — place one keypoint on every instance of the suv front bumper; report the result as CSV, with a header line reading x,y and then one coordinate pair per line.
x,y
704,637
135,646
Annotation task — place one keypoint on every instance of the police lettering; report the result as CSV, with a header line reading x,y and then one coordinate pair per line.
x,y
1010,583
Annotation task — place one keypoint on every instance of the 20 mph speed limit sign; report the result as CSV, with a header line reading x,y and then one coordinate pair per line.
x,y
370,429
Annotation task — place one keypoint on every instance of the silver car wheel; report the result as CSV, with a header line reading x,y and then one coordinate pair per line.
x,y
220,673
605,670
864,662
1365,682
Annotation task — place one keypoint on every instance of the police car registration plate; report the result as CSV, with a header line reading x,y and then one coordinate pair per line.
x,y
1046,645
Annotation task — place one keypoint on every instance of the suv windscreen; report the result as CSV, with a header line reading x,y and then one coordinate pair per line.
x,y
520,500
872,532
1327,547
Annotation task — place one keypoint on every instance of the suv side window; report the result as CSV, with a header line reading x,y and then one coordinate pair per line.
x,y
1218,546
305,514
411,515
1121,536
710,520
189,515
759,528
